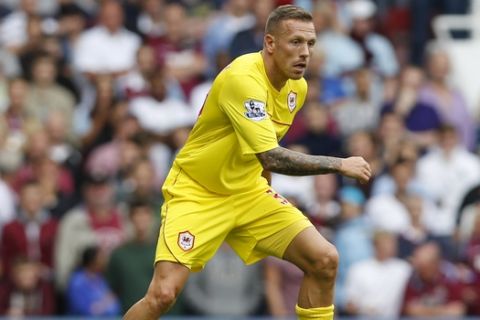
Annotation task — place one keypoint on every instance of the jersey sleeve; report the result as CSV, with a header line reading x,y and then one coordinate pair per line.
x,y
243,99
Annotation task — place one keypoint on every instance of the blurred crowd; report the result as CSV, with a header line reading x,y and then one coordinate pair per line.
x,y
96,98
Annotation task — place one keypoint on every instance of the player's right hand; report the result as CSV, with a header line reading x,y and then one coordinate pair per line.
x,y
357,168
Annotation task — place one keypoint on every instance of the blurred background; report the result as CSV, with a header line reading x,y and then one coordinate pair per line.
x,y
96,98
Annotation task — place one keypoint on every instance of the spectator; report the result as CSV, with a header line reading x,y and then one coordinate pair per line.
x,y
159,113
96,221
282,285
390,133
449,101
417,233
63,144
7,196
233,18
387,211
58,197
37,154
107,48
45,95
96,124
225,287
319,137
136,82
25,293
447,172
342,55
31,234
375,287
378,52
130,267
421,119
326,208
36,44
251,39
13,29
127,152
14,115
9,67
106,157
72,21
430,278
177,51
352,237
471,253
141,182
328,89
362,110
151,19
403,149
88,293
7,203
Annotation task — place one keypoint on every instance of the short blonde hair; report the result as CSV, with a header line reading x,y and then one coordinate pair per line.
x,y
283,13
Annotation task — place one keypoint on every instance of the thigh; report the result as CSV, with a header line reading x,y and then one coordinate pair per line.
x,y
266,225
194,222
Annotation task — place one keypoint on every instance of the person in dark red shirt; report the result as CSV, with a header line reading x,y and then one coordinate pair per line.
x,y
431,291
178,51
32,233
26,292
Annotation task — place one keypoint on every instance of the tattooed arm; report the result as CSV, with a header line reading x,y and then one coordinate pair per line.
x,y
284,161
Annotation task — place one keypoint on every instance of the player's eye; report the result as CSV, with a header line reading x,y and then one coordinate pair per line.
x,y
311,44
295,42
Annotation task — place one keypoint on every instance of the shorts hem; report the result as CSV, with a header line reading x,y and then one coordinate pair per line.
x,y
194,266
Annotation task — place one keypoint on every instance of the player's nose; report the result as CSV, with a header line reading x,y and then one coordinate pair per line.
x,y
305,51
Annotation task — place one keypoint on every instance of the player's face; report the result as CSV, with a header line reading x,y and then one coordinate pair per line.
x,y
293,47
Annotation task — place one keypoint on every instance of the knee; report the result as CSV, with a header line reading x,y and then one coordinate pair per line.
x,y
324,264
159,300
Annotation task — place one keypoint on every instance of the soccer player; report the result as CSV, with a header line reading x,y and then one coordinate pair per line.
x,y
216,191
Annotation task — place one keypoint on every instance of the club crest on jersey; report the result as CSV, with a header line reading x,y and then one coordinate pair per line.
x,y
186,240
292,100
255,110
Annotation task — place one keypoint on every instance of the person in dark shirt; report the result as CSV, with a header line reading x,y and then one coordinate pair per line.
x,y
251,40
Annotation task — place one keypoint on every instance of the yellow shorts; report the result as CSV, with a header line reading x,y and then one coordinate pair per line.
x,y
195,223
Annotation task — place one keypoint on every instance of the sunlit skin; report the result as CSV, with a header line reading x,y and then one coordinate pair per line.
x,y
287,51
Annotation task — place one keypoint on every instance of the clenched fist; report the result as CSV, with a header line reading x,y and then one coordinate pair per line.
x,y
357,168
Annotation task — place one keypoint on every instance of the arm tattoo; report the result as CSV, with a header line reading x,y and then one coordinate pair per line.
x,y
284,161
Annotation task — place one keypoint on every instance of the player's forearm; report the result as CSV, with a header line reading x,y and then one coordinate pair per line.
x,y
284,161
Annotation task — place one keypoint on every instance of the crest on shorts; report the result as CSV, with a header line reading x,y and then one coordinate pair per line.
x,y
292,101
255,110
186,240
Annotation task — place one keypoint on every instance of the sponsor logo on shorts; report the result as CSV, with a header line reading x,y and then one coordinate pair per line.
x,y
292,100
186,240
255,110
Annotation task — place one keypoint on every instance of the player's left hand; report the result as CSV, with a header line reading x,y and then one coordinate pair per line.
x,y
357,168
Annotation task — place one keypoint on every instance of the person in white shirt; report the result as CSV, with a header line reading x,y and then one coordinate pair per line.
x,y
388,211
375,287
159,113
107,48
13,28
446,173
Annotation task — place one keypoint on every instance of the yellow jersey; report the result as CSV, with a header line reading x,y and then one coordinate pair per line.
x,y
243,114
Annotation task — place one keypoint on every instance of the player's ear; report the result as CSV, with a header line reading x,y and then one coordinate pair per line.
x,y
269,43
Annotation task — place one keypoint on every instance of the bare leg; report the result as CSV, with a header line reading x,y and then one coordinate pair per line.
x,y
318,259
168,280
